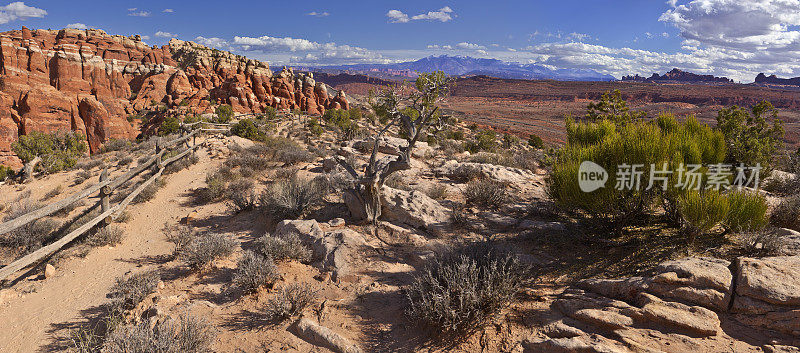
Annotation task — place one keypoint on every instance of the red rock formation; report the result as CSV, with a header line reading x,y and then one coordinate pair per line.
x,y
90,81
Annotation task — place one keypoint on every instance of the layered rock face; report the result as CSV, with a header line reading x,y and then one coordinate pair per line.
x,y
89,81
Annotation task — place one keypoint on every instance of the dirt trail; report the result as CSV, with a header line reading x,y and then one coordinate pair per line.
x,y
41,319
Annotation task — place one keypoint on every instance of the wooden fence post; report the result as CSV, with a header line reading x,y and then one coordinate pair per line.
x,y
105,197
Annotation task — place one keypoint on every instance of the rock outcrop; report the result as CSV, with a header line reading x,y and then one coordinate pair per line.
x,y
691,302
676,75
89,81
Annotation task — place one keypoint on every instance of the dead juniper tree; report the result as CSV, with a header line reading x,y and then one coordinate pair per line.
x,y
414,111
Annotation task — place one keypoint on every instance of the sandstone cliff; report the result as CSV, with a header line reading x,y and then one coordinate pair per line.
x,y
90,81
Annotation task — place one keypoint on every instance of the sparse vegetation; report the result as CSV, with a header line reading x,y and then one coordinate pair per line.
x,y
188,335
82,176
32,235
437,192
285,247
241,196
459,291
485,192
224,114
129,291
291,198
787,213
201,251
254,271
613,108
109,235
289,301
150,191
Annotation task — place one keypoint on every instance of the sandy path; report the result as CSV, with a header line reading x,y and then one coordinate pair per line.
x,y
41,319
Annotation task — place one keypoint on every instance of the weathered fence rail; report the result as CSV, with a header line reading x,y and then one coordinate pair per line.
x,y
105,187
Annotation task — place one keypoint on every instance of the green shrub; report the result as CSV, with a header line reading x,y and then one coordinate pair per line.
x,y
751,137
314,127
116,145
248,129
702,211
341,119
610,146
224,114
254,271
613,108
461,290
214,190
170,125
535,141
747,212
510,140
484,141
59,150
5,172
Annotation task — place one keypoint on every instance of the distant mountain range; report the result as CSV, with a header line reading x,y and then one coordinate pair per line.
x,y
678,76
774,80
468,66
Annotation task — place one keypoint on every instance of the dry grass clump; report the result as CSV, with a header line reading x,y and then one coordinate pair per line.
x,y
289,301
285,247
437,192
254,271
183,163
241,195
109,235
187,335
129,291
255,158
127,160
762,243
466,173
215,187
201,251
459,291
82,176
787,213
485,192
180,235
150,191
53,193
291,198
32,235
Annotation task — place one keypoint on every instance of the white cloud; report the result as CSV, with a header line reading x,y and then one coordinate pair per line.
x,y
77,26
469,46
132,12
168,10
397,16
212,42
579,36
318,14
18,10
162,34
443,15
145,37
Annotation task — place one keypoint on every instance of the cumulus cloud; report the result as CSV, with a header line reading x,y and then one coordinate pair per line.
x,y
18,10
162,34
470,46
212,42
318,14
133,12
77,26
397,16
443,15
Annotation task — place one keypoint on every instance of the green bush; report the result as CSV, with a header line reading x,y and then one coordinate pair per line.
x,y
224,114
702,211
747,211
341,119
314,127
5,172
58,150
170,125
535,141
485,140
248,129
613,108
751,137
609,145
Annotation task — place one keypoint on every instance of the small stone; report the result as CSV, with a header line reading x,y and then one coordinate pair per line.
x,y
49,271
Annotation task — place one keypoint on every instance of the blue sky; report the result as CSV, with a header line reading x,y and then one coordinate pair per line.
x,y
737,39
